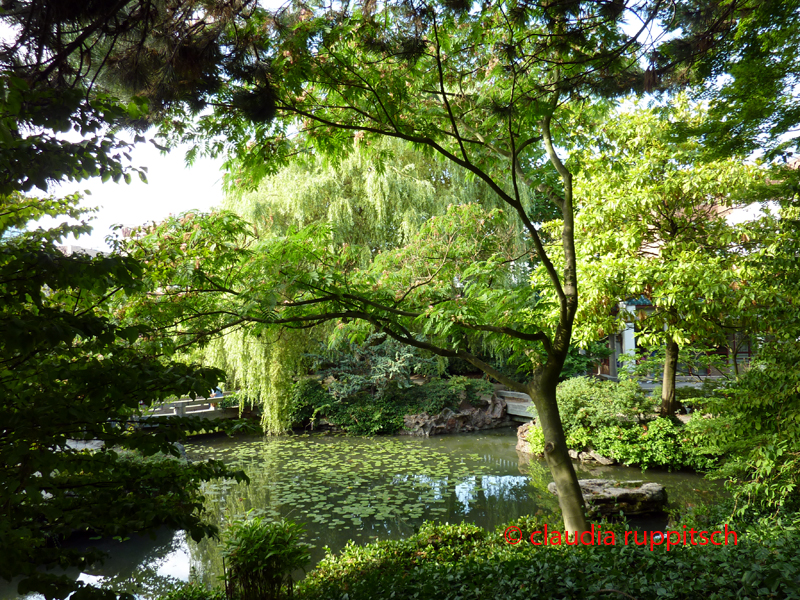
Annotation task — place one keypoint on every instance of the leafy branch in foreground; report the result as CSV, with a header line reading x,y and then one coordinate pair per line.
x,y
73,460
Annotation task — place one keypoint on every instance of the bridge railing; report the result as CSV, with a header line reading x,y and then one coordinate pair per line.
x,y
517,404
188,407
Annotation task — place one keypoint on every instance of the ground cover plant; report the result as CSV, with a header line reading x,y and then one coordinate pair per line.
x,y
464,561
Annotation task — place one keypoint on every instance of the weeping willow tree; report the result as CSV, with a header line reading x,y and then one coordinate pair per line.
x,y
262,367
376,197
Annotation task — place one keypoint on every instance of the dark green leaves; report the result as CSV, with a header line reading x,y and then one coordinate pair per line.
x,y
74,384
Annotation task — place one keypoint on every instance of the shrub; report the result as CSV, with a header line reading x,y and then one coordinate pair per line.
x,y
592,403
373,366
456,561
759,428
660,442
695,397
536,439
458,366
615,419
767,481
194,591
259,557
579,363
308,397
435,396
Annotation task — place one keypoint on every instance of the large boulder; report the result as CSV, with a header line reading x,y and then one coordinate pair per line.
x,y
607,497
468,418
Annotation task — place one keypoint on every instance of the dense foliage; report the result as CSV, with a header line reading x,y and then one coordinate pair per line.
x,y
376,198
495,90
75,382
212,263
362,413
756,427
618,420
192,590
508,91
656,225
464,561
372,366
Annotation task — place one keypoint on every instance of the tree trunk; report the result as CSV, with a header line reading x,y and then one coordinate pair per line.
x,y
556,453
543,387
668,403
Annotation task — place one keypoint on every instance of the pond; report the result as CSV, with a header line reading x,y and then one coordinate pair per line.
x,y
361,489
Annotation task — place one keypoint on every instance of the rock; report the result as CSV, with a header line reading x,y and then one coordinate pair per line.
x,y
607,497
600,458
590,457
497,408
468,418
523,446
181,451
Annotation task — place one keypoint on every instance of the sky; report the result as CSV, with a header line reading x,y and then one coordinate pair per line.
x,y
172,188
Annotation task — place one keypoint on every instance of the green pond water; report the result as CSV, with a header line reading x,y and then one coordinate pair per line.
x,y
361,489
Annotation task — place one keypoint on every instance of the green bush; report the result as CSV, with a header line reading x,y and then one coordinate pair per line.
x,y
308,397
259,558
695,397
579,363
616,419
435,396
194,591
759,428
459,561
374,366
591,403
767,482
458,366
661,442
536,440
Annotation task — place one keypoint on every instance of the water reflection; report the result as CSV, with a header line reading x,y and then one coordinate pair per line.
x,y
147,566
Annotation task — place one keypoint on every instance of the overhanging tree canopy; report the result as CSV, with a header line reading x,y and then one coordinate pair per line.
x,y
73,381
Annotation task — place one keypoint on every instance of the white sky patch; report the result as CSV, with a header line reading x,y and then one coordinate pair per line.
x,y
172,188
747,213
